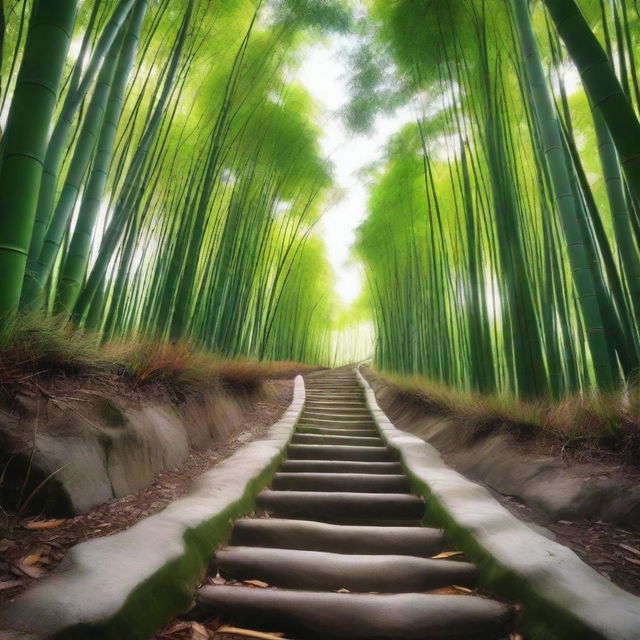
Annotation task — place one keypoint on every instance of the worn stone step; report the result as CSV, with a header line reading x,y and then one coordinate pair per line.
x,y
340,466
333,388
335,397
338,426
337,538
353,482
337,413
324,571
329,404
323,395
328,431
311,419
342,616
339,452
358,441
341,506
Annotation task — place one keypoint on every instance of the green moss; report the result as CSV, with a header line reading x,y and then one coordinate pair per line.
x,y
169,591
539,618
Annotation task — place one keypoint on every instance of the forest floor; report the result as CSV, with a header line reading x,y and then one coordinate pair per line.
x,y
31,548
597,435
611,550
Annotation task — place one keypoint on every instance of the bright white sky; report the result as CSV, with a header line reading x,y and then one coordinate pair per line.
x,y
325,75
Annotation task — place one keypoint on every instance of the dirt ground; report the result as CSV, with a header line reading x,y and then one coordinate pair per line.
x,y
612,551
29,549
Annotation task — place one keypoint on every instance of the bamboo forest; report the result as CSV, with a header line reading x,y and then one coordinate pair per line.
x,y
330,296
162,174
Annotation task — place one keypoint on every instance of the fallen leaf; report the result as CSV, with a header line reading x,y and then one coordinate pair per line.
x,y
197,631
29,570
632,560
457,587
249,633
626,547
178,626
443,591
31,559
9,584
447,554
256,583
43,524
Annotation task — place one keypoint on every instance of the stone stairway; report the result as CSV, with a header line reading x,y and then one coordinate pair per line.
x,y
338,539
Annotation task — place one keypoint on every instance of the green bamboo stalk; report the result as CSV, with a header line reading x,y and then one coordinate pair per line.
x,y
601,84
56,146
39,271
25,141
552,141
77,257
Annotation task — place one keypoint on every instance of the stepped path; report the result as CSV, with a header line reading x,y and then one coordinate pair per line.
x,y
338,539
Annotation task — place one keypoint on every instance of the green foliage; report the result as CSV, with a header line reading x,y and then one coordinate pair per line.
x,y
183,177
487,270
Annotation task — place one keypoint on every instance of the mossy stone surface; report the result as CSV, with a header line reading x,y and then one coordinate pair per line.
x,y
562,597
126,586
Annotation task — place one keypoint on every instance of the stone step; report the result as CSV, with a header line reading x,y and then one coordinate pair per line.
x,y
335,388
329,403
340,466
334,396
342,616
324,395
343,405
337,414
358,441
328,431
323,571
341,506
336,538
352,482
339,452
308,418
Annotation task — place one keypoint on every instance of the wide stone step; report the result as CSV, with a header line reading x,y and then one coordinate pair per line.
x,y
336,414
339,452
341,507
340,466
329,389
342,616
320,570
326,422
329,404
332,394
359,441
336,538
353,482
328,431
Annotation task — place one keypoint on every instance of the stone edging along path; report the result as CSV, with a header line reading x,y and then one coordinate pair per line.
x,y
126,586
563,598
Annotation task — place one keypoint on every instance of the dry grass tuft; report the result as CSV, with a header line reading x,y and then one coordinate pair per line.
x,y
589,422
45,348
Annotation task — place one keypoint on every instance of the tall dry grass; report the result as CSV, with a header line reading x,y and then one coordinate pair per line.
x,y
589,421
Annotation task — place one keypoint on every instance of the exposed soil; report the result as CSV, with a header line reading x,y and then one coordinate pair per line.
x,y
612,551
32,548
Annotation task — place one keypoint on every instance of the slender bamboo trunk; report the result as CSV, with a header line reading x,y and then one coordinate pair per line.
x,y
600,83
57,142
25,141
77,257
553,146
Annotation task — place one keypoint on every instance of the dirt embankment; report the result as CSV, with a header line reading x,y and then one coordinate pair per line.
x,y
215,423
591,503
